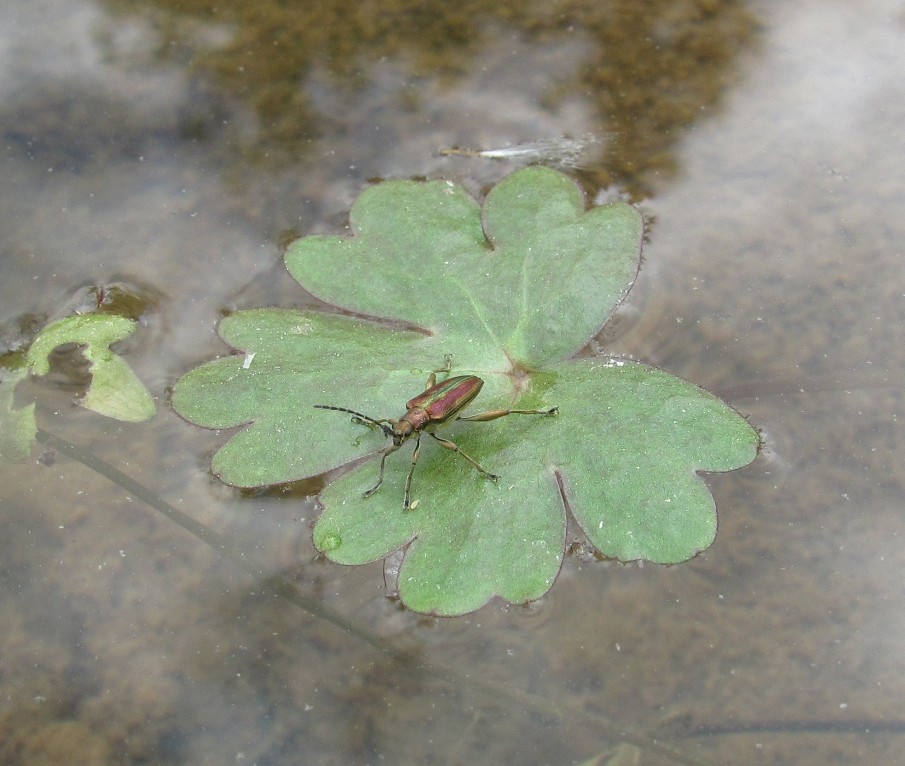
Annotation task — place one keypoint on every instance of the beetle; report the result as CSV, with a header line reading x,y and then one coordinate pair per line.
x,y
438,403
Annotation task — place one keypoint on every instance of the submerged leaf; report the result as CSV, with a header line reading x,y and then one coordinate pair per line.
x,y
17,426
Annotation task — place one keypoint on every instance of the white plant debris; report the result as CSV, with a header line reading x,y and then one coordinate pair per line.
x,y
564,152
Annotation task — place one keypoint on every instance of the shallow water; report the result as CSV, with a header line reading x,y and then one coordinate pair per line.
x,y
174,151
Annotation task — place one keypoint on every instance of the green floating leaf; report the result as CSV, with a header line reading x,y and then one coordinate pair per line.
x,y
17,426
510,292
115,390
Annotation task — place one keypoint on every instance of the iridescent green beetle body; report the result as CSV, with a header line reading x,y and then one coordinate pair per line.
x,y
437,404
441,401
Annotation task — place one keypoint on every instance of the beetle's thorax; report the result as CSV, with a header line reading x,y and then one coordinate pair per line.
x,y
412,421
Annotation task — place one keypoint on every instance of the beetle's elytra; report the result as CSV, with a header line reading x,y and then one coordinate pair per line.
x,y
437,404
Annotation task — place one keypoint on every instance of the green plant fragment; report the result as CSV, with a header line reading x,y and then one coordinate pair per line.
x,y
115,390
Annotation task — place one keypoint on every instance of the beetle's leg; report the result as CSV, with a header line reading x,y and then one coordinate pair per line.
x,y
494,414
432,378
406,505
455,448
383,459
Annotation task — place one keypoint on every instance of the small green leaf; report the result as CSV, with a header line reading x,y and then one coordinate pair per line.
x,y
510,292
115,390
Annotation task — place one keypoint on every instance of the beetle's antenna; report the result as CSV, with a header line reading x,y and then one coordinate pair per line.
x,y
382,426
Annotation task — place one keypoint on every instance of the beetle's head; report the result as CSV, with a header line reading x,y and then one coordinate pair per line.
x,y
399,430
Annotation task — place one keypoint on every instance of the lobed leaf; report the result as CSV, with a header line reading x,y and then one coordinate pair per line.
x,y
510,291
